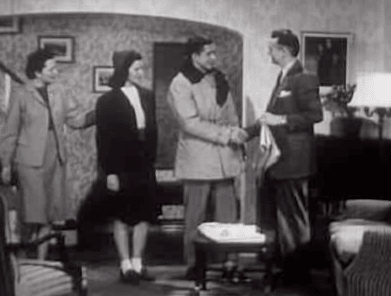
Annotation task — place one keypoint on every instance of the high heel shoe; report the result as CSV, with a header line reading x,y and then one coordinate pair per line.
x,y
238,276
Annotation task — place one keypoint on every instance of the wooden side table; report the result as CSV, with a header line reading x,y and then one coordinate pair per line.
x,y
266,252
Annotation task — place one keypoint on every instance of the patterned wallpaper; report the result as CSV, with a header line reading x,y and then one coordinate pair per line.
x,y
387,36
368,20
364,19
96,37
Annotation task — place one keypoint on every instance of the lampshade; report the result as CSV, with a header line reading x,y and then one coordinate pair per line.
x,y
372,90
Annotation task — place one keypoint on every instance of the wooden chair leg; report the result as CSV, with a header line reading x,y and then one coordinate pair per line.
x,y
200,268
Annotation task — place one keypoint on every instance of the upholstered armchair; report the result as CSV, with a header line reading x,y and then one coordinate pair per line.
x,y
360,245
32,277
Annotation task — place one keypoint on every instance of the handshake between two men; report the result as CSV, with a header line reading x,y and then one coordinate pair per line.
x,y
239,136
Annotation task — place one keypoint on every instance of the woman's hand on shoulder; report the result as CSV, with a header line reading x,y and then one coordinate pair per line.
x,y
112,182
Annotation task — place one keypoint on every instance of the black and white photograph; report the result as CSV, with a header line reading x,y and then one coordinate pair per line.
x,y
9,24
101,76
195,148
327,55
61,46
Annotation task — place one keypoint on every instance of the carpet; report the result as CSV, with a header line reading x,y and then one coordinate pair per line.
x,y
104,281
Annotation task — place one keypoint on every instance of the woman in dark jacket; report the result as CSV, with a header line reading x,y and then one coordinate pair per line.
x,y
126,141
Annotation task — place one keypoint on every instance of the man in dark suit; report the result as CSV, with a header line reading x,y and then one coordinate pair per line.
x,y
293,109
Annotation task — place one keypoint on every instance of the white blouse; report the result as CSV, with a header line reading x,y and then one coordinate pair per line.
x,y
134,99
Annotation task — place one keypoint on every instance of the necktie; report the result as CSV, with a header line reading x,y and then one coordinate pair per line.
x,y
273,97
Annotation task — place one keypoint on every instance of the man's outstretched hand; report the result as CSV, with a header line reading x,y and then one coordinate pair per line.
x,y
238,136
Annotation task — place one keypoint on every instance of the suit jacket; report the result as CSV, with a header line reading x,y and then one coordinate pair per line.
x,y
24,134
205,127
118,143
297,97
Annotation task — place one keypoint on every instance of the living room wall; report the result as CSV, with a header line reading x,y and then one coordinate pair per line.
x,y
368,20
95,38
387,37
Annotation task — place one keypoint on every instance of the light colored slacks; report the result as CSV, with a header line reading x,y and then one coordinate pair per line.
x,y
209,200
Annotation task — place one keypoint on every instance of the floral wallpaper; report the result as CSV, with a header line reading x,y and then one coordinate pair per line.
x,y
96,36
387,36
368,20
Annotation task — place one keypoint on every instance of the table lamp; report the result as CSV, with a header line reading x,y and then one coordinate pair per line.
x,y
373,95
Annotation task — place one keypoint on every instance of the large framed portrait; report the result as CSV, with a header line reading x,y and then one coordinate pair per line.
x,y
101,76
9,24
328,55
61,46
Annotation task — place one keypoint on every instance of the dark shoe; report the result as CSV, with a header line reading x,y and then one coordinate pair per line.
x,y
130,277
191,274
228,273
144,276
239,277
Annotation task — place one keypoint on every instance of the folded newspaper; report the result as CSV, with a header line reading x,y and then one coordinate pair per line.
x,y
231,232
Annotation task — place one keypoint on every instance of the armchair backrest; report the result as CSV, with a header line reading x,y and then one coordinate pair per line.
x,y
48,278
6,269
370,209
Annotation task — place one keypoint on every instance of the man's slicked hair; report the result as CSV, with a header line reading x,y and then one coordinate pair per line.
x,y
286,38
196,44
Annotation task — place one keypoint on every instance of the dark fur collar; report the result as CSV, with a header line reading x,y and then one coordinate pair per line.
x,y
190,72
194,75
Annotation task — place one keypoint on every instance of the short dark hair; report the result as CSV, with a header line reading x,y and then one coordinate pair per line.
x,y
36,62
286,38
196,44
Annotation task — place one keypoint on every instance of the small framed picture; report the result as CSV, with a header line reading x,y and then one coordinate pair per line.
x,y
9,24
61,46
101,76
328,55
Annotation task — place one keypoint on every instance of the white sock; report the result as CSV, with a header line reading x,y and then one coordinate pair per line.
x,y
126,264
137,264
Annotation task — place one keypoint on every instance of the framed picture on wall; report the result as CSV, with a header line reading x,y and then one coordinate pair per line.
x,y
61,46
328,55
9,24
101,76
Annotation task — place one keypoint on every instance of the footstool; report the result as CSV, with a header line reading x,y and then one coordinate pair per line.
x,y
265,251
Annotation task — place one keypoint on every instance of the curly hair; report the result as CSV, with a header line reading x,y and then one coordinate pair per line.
x,y
36,62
